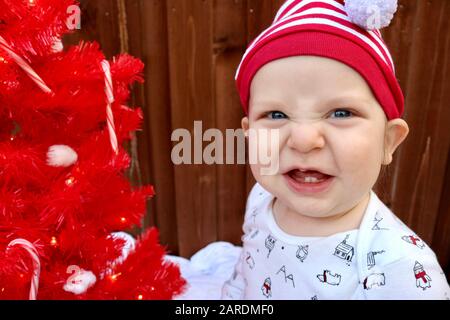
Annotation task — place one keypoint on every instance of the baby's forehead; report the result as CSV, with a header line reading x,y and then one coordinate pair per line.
x,y
310,91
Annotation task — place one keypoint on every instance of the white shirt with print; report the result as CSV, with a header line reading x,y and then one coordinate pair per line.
x,y
383,259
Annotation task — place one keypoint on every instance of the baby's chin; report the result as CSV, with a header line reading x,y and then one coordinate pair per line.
x,y
311,208
305,205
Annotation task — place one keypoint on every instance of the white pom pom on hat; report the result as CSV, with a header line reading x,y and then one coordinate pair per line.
x,y
371,14
61,156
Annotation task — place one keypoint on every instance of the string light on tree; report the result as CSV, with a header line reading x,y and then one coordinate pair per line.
x,y
70,181
53,241
114,277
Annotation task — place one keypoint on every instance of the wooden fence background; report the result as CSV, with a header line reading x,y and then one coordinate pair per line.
x,y
191,49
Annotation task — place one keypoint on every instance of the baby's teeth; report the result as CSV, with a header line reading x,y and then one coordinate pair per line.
x,y
311,179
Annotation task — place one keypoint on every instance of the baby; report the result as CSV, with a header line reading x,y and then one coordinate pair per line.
x,y
315,229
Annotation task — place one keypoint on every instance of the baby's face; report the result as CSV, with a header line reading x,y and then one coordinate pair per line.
x,y
327,119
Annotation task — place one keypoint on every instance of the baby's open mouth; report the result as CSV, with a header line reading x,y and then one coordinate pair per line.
x,y
308,181
309,176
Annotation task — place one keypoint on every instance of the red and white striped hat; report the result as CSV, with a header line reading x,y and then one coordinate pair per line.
x,y
347,32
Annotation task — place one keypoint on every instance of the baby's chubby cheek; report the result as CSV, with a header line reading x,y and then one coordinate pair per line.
x,y
359,161
272,183
264,152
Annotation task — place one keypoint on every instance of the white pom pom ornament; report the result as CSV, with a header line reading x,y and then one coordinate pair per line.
x,y
61,156
371,14
80,280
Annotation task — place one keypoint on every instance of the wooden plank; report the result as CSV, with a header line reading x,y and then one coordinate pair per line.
x,y
129,21
229,41
416,196
441,238
147,23
98,23
260,14
191,77
398,38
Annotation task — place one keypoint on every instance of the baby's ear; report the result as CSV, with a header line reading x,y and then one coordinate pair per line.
x,y
396,132
245,125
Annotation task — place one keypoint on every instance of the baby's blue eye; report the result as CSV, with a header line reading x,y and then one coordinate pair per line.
x,y
276,115
342,113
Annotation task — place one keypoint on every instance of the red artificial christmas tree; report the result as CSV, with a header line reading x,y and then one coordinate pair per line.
x,y
64,197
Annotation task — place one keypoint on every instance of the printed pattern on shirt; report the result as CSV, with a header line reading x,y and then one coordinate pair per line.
x,y
384,259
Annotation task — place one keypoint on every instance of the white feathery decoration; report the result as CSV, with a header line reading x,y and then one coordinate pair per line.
x,y
61,156
371,14
80,281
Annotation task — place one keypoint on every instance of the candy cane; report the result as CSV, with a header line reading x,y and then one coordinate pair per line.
x,y
110,100
25,66
31,249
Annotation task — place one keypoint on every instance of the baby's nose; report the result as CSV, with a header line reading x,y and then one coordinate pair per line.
x,y
305,137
